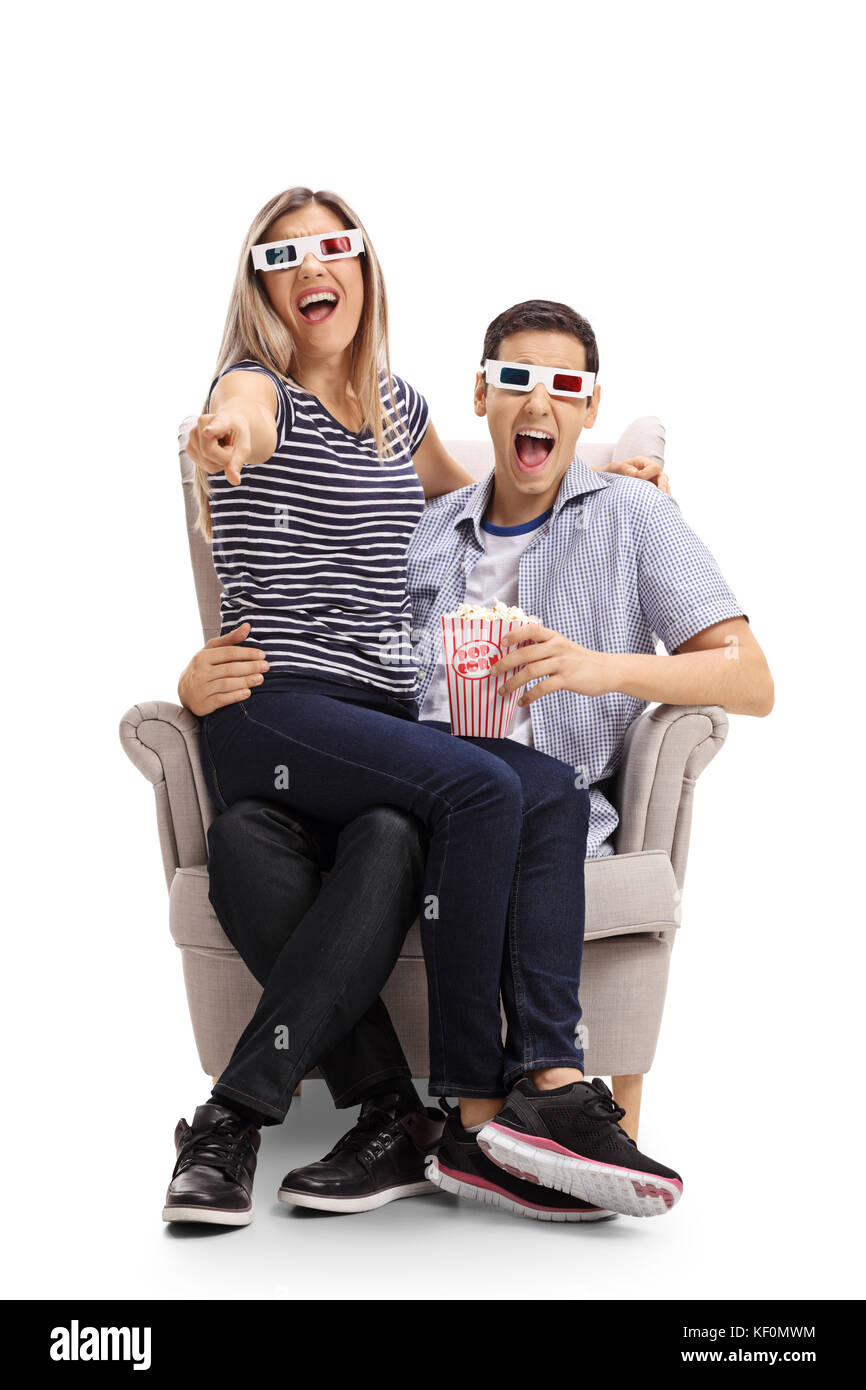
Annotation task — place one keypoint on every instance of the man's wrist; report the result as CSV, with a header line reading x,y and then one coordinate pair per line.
x,y
613,671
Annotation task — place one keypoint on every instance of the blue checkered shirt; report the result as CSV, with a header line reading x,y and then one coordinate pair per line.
x,y
613,568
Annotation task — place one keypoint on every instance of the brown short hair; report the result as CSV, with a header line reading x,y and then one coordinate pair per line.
x,y
546,315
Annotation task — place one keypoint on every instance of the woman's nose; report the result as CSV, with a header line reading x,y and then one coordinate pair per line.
x,y
310,265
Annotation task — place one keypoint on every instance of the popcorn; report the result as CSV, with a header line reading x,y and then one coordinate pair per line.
x,y
472,638
497,609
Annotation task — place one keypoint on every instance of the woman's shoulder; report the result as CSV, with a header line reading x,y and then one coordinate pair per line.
x,y
286,392
398,381
403,390
252,364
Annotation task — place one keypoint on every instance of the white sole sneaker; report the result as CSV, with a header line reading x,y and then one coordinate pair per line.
x,y
498,1197
209,1216
350,1204
626,1190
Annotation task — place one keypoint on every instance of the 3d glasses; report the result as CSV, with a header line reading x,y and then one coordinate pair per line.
x,y
523,376
335,246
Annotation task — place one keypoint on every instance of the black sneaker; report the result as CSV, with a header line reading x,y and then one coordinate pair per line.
x,y
569,1139
213,1177
380,1160
460,1167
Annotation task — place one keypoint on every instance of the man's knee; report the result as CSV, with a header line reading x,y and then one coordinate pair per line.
x,y
561,790
389,830
238,833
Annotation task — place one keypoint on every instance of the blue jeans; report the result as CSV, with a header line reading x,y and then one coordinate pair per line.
x,y
507,829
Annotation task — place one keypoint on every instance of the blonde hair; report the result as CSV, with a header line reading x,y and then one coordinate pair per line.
x,y
253,328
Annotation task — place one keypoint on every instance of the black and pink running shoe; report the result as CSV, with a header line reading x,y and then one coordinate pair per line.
x,y
569,1140
459,1166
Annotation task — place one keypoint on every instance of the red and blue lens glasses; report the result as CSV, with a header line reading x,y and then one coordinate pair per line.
x,y
524,376
335,246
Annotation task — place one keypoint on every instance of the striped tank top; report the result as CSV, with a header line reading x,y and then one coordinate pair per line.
x,y
310,549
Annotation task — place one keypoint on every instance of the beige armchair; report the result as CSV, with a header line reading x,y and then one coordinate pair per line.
x,y
632,897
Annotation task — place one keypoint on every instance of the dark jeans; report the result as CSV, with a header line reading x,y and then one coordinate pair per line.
x,y
507,829
328,946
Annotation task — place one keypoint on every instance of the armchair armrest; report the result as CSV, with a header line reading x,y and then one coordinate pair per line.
x,y
162,740
666,749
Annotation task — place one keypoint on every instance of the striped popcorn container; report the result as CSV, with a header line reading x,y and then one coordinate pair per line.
x,y
471,646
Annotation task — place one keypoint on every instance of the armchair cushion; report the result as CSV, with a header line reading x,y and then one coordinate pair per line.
x,y
629,894
625,894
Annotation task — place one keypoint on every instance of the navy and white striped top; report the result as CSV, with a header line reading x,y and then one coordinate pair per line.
x,y
310,549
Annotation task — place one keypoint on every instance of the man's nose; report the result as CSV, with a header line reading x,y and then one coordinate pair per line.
x,y
538,400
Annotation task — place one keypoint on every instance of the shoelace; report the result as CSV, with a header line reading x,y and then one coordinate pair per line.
x,y
604,1107
223,1146
369,1138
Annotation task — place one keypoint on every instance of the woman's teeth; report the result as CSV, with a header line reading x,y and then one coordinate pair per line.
x,y
532,448
317,306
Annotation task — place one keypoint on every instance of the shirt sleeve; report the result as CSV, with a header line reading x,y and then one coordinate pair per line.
x,y
415,411
680,586
285,417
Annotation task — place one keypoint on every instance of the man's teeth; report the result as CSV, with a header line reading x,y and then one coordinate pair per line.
x,y
536,434
323,296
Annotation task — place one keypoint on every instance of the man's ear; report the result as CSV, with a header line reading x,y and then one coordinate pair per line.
x,y
592,410
480,396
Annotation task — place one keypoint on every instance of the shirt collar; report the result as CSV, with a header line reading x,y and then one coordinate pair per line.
x,y
578,479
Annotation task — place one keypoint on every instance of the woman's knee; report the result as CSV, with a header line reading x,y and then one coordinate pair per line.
x,y
494,782
558,790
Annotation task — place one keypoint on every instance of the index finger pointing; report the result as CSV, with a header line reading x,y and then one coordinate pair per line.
x,y
215,428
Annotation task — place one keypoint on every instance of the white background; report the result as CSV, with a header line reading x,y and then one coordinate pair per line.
x,y
686,176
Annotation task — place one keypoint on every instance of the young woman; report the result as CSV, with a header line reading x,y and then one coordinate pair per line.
x,y
309,543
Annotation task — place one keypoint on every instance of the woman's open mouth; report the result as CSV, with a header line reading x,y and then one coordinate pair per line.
x,y
532,449
318,305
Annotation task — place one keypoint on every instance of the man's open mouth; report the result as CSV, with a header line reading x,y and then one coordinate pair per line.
x,y
318,305
532,449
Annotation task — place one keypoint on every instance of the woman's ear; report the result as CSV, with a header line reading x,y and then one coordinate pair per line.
x,y
480,394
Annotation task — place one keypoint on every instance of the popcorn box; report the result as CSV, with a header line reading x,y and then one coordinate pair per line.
x,y
472,645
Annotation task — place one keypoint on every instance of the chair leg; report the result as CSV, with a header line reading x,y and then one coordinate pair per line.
x,y
627,1093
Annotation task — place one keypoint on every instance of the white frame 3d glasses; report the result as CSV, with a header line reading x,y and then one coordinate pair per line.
x,y
523,376
327,246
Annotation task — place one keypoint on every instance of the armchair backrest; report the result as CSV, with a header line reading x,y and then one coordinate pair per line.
x,y
475,455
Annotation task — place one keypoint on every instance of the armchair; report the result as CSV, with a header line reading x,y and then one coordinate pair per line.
x,y
632,896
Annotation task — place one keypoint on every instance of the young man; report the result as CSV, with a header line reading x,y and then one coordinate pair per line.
x,y
607,565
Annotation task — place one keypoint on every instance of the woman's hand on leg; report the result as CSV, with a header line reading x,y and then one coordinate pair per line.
x,y
221,673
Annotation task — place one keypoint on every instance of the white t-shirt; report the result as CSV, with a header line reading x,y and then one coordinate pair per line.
x,y
494,576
